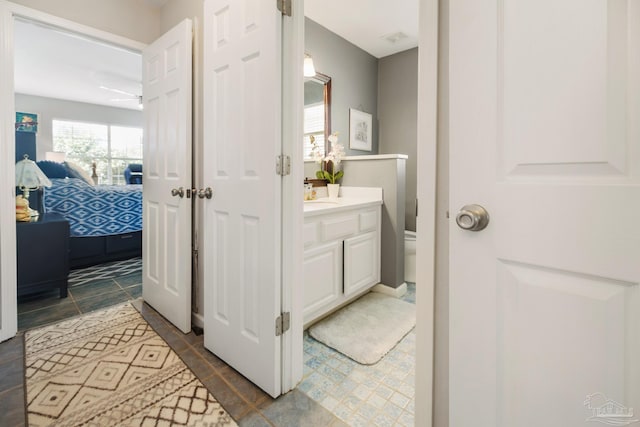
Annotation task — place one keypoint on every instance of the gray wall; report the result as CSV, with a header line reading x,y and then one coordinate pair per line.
x,y
386,87
354,79
398,117
50,108
390,175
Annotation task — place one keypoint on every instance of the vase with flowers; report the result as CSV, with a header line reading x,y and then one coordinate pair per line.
x,y
329,165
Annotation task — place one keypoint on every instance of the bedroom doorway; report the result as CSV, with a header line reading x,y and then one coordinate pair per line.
x,y
110,291
86,95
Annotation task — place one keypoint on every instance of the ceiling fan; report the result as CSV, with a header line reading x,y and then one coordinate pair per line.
x,y
129,96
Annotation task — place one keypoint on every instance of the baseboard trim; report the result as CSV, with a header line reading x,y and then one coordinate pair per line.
x,y
388,290
197,320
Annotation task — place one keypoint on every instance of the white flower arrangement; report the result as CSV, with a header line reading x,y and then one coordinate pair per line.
x,y
334,157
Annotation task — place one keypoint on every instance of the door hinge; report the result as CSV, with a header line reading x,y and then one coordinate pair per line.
x,y
282,323
283,165
416,207
284,6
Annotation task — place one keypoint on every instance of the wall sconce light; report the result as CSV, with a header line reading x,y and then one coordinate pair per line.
x,y
309,69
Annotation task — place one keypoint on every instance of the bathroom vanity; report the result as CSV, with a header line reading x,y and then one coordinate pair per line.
x,y
341,249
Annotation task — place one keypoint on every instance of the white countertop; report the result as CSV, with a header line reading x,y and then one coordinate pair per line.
x,y
369,157
350,198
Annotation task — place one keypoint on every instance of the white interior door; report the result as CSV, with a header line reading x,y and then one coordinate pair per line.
x,y
545,302
8,288
167,166
242,223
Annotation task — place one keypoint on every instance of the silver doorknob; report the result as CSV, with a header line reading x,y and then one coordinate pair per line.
x,y
178,192
472,218
206,192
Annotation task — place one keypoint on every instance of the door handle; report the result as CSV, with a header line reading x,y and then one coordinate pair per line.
x,y
472,218
205,193
178,192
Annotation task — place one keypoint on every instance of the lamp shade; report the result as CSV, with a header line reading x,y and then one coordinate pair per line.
x,y
308,69
29,175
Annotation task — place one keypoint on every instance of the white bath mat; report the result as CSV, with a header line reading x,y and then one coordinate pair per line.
x,y
368,328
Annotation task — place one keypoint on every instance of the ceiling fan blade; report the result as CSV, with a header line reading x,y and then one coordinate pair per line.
x,y
121,92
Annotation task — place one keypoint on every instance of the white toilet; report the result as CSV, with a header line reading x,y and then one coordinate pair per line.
x,y
409,256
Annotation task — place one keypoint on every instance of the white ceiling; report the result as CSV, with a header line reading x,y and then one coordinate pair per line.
x,y
368,23
56,64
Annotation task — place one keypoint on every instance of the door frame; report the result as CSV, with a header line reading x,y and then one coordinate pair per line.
x,y
8,273
427,189
292,195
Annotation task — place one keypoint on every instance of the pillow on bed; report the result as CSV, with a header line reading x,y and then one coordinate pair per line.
x,y
75,171
53,169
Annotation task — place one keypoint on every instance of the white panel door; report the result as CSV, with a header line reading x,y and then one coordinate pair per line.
x,y
166,250
242,223
544,133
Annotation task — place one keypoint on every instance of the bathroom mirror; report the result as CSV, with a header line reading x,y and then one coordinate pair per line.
x,y
317,113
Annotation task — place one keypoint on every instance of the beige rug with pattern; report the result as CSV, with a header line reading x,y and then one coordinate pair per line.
x,y
110,368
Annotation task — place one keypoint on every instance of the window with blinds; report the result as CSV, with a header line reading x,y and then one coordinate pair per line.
x,y
112,148
313,125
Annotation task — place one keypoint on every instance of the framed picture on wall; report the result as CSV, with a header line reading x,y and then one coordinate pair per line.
x,y
27,122
359,130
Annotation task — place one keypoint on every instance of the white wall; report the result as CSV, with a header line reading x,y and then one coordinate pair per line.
x,y
133,19
49,109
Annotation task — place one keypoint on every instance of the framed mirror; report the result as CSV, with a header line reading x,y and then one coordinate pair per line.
x,y
317,113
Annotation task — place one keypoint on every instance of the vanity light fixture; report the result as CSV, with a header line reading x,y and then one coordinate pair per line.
x,y
309,69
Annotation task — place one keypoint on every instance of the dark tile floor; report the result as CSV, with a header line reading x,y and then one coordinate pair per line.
x,y
246,403
40,309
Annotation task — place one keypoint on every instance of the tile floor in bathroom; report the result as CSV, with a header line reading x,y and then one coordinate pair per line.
x,y
363,395
335,391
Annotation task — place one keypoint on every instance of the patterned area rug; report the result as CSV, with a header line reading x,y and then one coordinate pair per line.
x,y
109,270
110,368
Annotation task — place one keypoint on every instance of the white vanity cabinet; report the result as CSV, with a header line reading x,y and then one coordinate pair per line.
x,y
341,257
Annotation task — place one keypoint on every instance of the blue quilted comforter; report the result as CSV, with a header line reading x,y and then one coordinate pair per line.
x,y
95,210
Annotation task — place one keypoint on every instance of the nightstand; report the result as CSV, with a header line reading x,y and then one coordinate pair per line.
x,y
43,254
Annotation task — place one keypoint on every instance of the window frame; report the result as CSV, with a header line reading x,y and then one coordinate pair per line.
x,y
109,158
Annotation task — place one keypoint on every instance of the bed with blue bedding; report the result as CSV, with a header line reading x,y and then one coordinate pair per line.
x,y
100,210
105,220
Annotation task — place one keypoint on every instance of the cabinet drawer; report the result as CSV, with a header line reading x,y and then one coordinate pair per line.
x,y
337,228
124,242
310,234
368,220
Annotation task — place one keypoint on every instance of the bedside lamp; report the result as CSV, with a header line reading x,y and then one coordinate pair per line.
x,y
29,177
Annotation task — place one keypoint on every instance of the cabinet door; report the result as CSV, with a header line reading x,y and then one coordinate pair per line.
x,y
322,278
361,262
